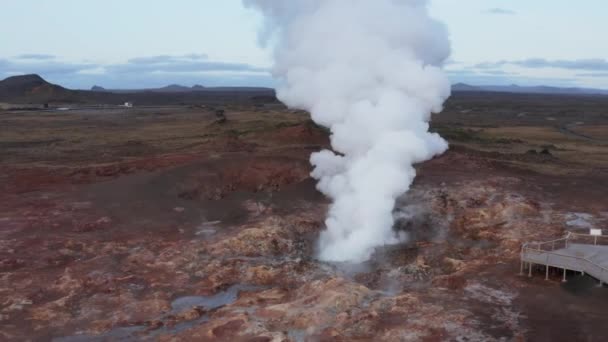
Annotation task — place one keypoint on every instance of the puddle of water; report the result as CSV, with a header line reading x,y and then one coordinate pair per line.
x,y
211,302
205,232
207,228
580,220
207,302
218,300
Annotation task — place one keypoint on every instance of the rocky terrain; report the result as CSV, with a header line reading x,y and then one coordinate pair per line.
x,y
166,224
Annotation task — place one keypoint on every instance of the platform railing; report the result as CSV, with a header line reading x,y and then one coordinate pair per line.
x,y
587,239
533,252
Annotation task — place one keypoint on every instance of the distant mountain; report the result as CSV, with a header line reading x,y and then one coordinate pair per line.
x,y
528,90
464,87
172,88
176,88
30,89
33,89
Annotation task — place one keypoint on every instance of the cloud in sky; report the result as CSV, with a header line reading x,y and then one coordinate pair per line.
x,y
594,74
474,77
167,59
498,72
148,71
44,66
187,63
500,11
593,64
589,73
190,69
35,56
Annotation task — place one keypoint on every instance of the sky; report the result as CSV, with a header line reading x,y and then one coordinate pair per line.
x,y
153,43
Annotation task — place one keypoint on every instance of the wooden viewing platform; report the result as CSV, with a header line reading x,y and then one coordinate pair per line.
x,y
583,253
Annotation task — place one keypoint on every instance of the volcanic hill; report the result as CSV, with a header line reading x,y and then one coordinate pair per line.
x,y
31,89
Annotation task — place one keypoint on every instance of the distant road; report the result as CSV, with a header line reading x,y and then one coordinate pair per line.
x,y
567,130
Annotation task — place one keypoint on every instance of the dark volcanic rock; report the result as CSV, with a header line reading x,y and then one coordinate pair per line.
x,y
30,88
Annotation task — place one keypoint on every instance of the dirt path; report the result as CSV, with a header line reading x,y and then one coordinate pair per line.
x,y
568,130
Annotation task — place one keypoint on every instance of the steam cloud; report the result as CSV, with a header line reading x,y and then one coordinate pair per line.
x,y
371,72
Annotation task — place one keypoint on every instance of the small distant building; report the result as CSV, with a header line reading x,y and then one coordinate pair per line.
x,y
128,105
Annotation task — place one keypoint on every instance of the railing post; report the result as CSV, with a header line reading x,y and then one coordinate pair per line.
x,y
584,265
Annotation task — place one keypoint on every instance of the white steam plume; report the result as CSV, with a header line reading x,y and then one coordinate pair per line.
x,y
370,70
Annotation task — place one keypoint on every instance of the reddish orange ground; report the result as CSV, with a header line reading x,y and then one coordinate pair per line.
x,y
161,224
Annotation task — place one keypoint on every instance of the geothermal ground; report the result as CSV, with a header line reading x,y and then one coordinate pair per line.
x,y
162,223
